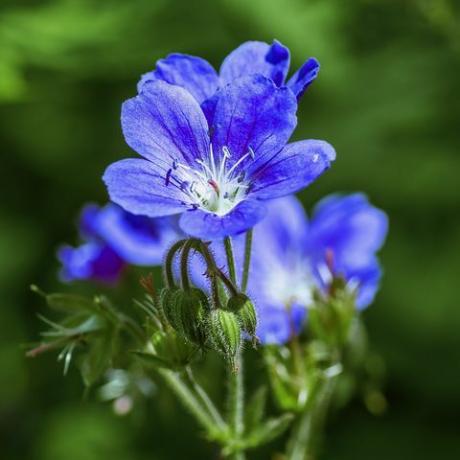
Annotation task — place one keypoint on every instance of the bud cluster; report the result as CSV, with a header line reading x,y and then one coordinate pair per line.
x,y
218,322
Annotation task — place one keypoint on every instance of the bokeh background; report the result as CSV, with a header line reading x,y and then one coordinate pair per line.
x,y
387,98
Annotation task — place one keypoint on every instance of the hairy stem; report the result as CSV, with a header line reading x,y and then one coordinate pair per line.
x,y
184,264
206,400
247,260
305,436
188,399
236,401
230,258
168,267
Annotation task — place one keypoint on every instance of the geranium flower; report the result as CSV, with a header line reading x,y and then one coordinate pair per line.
x,y
216,171
114,239
291,257
200,79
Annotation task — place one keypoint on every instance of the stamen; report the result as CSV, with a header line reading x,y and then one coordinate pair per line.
x,y
168,177
209,185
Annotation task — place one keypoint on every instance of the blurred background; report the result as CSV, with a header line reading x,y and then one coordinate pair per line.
x,y
387,98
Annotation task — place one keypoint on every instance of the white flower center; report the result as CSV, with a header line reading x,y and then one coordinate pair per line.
x,y
291,286
212,186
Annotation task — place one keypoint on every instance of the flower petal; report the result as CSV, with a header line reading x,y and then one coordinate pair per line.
x,y
192,73
350,226
138,240
242,217
165,123
292,169
138,187
252,115
90,261
276,325
304,77
251,58
368,280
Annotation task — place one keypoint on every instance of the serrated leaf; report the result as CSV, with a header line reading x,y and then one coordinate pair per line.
x,y
270,430
70,303
256,408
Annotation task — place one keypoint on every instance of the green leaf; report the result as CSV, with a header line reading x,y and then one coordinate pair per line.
x,y
70,303
99,358
270,430
256,408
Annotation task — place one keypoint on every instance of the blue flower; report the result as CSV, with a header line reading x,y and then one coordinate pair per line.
x,y
200,79
291,256
138,240
113,239
92,260
216,170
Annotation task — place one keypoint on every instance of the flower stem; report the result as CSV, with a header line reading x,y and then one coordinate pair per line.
x,y
247,260
230,259
206,400
304,439
184,264
236,402
169,274
188,399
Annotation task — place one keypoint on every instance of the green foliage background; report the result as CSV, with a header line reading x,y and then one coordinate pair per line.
x,y
388,100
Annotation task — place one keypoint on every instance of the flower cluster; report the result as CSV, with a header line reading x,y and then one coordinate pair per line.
x,y
212,200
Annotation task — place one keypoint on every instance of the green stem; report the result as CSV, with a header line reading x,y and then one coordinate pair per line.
x,y
169,274
230,259
206,400
304,439
247,260
236,402
188,399
184,264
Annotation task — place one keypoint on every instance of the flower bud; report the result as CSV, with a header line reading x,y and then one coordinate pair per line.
x,y
242,305
169,306
187,311
173,349
225,332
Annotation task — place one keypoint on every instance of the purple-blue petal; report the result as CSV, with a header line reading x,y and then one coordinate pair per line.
x,y
192,73
138,240
140,188
91,261
165,124
251,58
349,226
277,326
304,77
292,169
209,226
252,117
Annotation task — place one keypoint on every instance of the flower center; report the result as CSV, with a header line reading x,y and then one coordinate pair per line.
x,y
213,185
291,286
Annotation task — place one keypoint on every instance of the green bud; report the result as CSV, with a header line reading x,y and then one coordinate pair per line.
x,y
187,312
168,305
171,348
225,332
244,308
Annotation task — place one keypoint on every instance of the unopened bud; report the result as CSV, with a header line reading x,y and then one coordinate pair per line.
x,y
225,332
242,305
169,306
172,348
187,312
